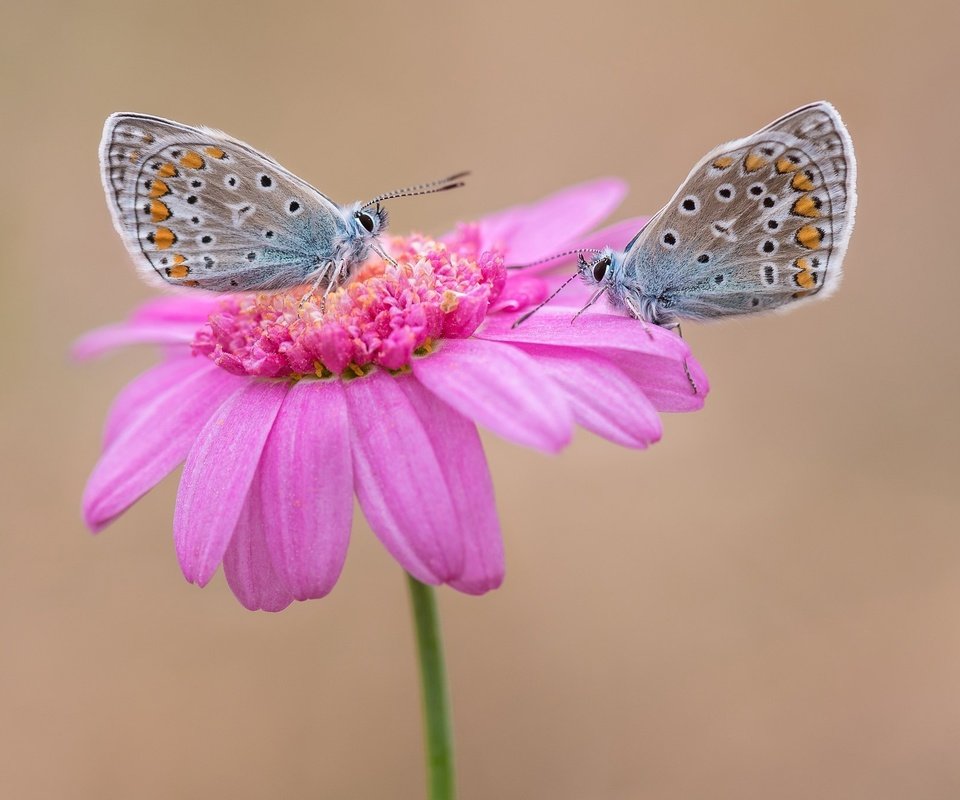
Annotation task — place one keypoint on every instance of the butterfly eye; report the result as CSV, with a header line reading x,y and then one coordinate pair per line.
x,y
366,220
600,269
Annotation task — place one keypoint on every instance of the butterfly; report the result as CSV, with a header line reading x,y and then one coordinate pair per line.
x,y
760,223
199,209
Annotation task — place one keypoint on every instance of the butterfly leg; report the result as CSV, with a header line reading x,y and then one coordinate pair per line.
x,y
384,255
637,315
686,368
596,296
322,273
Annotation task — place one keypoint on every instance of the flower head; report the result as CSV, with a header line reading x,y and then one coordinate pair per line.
x,y
383,318
282,409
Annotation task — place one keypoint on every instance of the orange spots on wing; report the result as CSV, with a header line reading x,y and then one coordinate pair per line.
x,y
191,284
179,259
158,211
148,138
810,237
214,152
167,170
753,162
723,162
806,279
158,189
803,181
786,165
192,160
806,206
134,156
164,238
178,271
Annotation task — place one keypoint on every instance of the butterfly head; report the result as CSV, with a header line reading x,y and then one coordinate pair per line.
x,y
597,272
369,221
605,273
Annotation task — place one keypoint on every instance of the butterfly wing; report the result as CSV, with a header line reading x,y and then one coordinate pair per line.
x,y
760,223
198,208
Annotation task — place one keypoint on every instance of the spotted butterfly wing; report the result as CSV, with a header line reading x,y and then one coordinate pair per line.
x,y
197,208
760,223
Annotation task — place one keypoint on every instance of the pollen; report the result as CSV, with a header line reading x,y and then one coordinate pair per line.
x,y
389,314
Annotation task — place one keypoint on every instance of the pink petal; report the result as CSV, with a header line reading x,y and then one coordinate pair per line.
x,y
247,564
603,398
617,331
650,355
527,233
156,439
137,395
615,236
502,389
520,292
463,465
399,480
178,308
111,337
306,478
217,475
668,389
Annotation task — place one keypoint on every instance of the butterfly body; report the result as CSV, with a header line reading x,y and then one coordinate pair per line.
x,y
199,209
761,223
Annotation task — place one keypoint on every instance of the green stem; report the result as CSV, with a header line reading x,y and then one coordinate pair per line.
x,y
438,730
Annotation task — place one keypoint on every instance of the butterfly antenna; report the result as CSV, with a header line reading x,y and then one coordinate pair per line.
x,y
555,256
533,311
442,185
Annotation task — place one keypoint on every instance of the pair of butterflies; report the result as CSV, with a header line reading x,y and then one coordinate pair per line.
x,y
760,222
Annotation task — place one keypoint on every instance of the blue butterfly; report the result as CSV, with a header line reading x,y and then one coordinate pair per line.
x,y
199,209
760,223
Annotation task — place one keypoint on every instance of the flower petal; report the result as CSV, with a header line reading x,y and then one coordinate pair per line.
x,y
527,233
520,292
502,389
615,236
657,359
247,563
138,394
463,465
603,398
156,439
217,476
399,480
617,331
668,389
306,482
597,329
112,337
178,308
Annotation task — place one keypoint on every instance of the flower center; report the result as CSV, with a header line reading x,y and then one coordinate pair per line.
x,y
387,315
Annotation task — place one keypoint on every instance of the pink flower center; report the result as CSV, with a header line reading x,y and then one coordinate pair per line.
x,y
387,315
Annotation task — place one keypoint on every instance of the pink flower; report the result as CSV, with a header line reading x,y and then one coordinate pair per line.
x,y
282,413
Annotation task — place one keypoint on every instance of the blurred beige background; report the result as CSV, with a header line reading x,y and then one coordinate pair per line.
x,y
764,605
